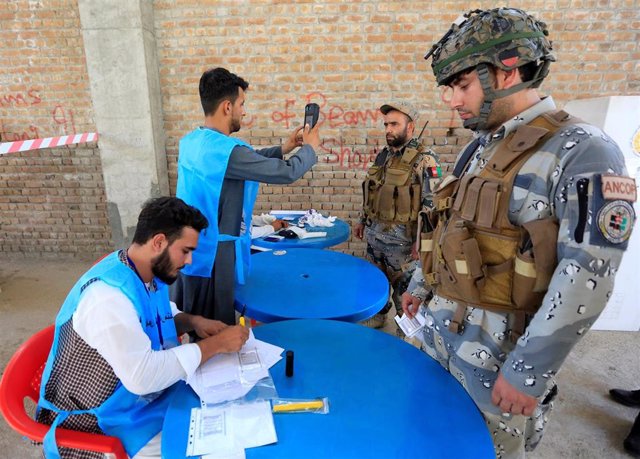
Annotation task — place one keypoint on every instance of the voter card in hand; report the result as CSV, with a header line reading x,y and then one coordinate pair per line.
x,y
410,326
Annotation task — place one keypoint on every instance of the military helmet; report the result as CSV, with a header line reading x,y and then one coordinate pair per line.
x,y
504,37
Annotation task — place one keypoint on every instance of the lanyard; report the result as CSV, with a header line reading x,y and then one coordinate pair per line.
x,y
158,319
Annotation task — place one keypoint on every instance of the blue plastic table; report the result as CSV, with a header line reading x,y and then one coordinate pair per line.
x,y
336,234
311,284
387,399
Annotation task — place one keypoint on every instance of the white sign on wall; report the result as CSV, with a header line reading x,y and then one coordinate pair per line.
x,y
619,117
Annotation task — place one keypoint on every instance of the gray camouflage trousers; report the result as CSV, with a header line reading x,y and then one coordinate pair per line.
x,y
474,357
396,262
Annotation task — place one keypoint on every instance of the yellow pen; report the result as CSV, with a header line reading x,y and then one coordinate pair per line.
x,y
241,320
298,406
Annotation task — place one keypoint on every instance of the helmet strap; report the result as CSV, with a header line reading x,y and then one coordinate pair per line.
x,y
479,123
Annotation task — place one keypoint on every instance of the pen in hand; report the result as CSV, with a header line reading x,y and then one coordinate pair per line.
x,y
241,320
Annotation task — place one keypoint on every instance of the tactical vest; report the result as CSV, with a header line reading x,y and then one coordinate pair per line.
x,y
389,193
470,251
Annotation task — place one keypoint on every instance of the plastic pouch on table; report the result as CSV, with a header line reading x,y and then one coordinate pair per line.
x,y
295,405
264,389
224,430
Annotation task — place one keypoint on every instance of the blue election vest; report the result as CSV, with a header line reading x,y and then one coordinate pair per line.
x,y
202,163
134,419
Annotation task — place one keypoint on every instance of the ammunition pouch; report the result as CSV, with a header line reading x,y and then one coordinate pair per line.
x,y
390,194
470,251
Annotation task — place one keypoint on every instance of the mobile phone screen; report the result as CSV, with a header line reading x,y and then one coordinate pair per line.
x,y
311,113
308,119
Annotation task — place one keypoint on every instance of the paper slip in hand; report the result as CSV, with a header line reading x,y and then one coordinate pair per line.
x,y
410,327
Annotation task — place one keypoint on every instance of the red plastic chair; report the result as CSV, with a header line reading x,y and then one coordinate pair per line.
x,y
21,379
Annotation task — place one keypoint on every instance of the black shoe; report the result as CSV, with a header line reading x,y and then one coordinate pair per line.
x,y
632,442
626,397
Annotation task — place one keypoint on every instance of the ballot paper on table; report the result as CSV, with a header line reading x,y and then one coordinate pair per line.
x,y
304,234
288,212
230,376
224,431
410,326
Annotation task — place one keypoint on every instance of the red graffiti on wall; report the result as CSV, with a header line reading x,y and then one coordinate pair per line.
x,y
20,99
356,157
8,136
332,114
63,118
247,121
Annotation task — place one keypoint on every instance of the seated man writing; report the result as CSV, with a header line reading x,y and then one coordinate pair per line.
x,y
263,225
115,354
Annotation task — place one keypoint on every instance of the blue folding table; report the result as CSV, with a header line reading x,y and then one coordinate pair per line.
x,y
311,284
336,234
387,399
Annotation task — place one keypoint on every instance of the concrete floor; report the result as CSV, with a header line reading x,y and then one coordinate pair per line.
x,y
584,424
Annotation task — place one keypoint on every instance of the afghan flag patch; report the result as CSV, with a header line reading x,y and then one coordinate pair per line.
x,y
434,171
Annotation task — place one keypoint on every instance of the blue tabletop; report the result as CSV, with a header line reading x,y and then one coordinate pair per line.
x,y
336,234
311,284
387,399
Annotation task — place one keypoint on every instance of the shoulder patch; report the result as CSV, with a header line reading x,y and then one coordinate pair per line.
x,y
618,187
615,221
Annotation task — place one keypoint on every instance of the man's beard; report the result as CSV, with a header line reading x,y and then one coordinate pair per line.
x,y
235,125
162,268
398,141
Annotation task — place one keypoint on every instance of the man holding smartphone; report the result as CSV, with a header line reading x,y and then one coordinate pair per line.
x,y
219,175
397,185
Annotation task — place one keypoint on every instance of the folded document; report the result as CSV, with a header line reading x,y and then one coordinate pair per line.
x,y
304,234
410,327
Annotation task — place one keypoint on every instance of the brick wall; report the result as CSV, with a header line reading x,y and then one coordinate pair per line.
x,y
51,201
349,57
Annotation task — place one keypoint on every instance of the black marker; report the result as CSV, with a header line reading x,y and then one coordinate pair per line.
x,y
288,371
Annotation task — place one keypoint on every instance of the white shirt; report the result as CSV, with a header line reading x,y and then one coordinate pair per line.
x,y
260,226
259,231
107,321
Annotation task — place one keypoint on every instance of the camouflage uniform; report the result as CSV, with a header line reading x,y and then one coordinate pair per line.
x,y
389,245
546,186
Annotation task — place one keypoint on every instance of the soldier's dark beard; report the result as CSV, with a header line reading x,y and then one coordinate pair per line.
x,y
162,268
397,141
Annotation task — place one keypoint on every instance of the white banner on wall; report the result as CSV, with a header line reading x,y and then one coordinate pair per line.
x,y
619,117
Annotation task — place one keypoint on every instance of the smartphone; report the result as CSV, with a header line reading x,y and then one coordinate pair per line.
x,y
311,114
273,239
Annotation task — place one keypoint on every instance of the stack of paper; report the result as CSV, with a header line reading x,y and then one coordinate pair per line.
x,y
230,376
224,430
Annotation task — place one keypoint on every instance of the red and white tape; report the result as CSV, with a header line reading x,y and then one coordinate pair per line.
x,y
47,142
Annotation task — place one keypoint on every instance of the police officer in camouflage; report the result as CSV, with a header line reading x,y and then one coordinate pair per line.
x,y
525,237
397,186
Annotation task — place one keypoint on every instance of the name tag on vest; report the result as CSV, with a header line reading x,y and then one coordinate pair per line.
x,y
616,187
